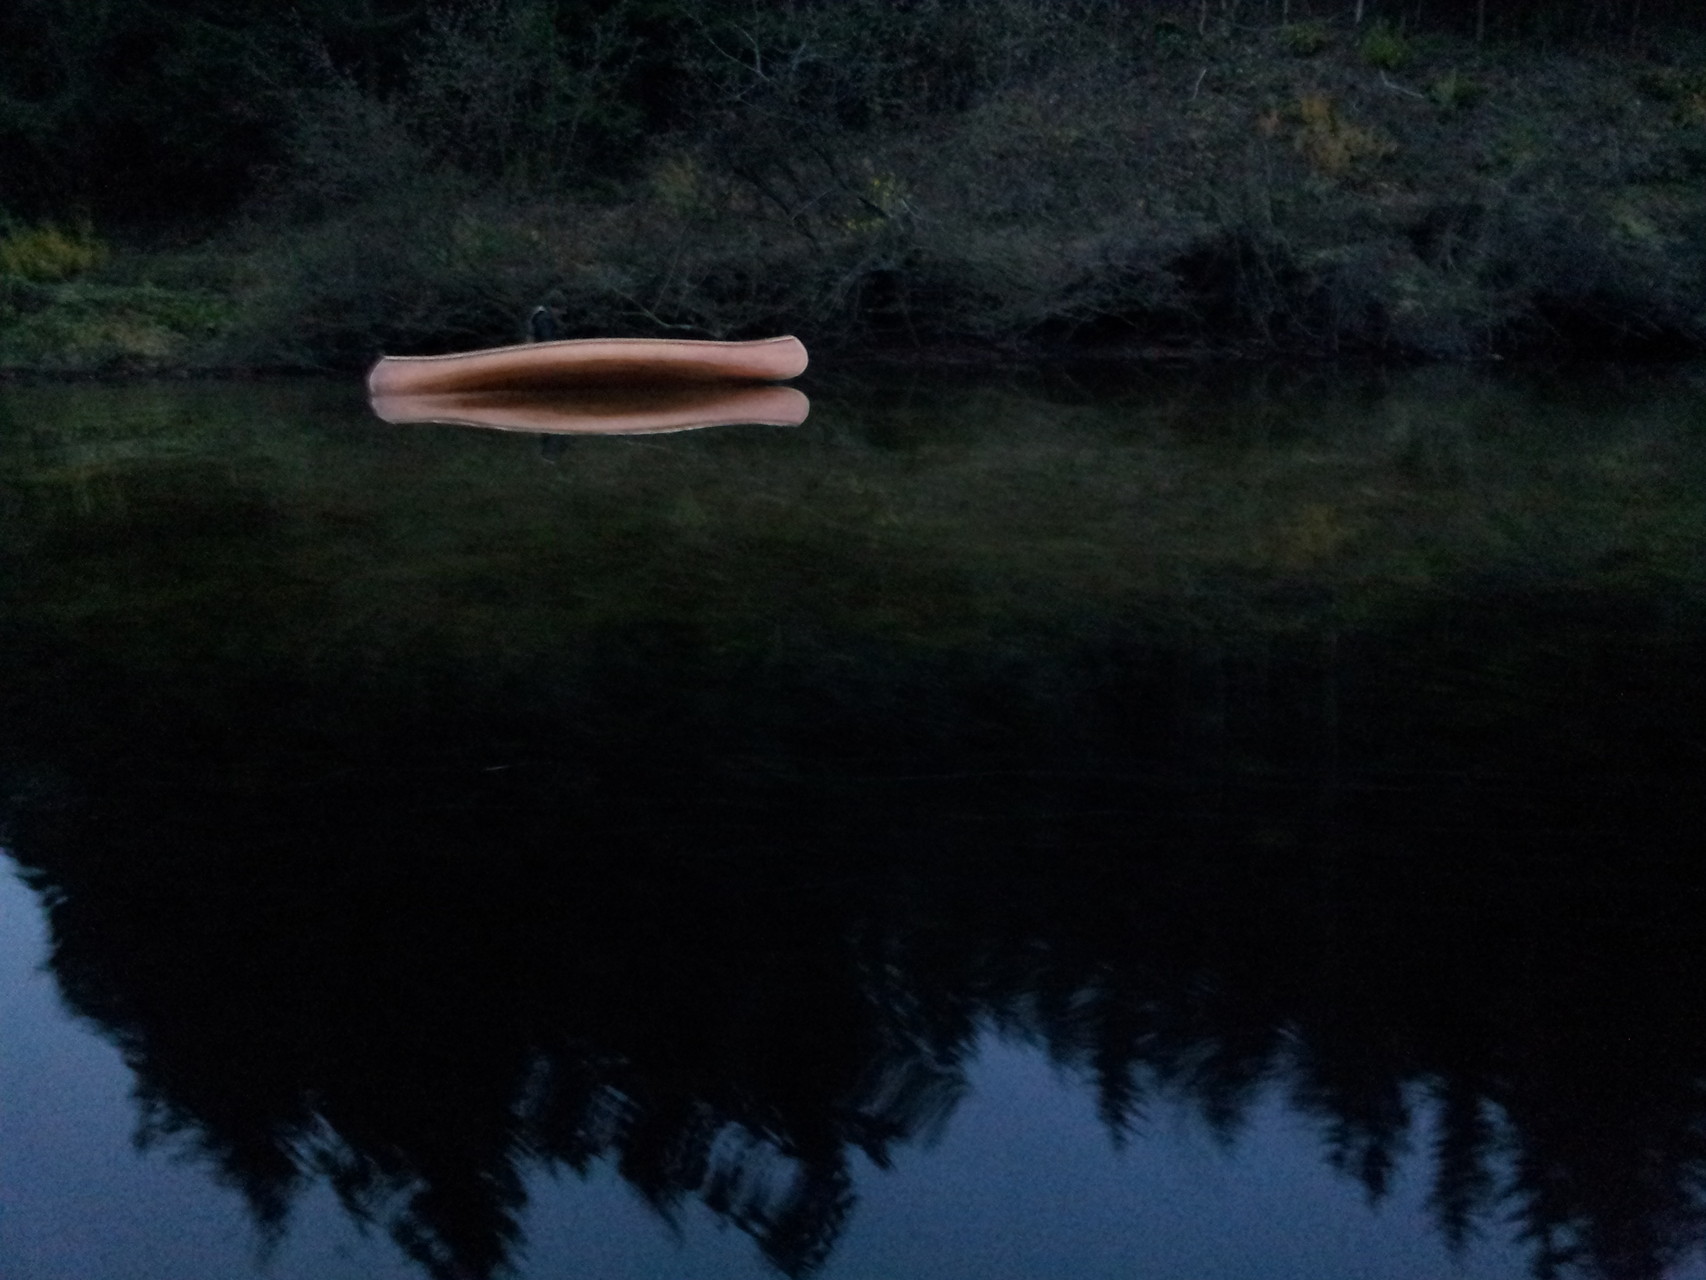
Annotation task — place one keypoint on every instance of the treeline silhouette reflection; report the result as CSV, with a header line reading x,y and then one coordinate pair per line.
x,y
728,924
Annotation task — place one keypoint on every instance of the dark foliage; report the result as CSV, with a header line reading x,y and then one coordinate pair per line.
x,y
170,112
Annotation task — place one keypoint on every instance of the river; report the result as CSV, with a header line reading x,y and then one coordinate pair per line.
x,y
1105,823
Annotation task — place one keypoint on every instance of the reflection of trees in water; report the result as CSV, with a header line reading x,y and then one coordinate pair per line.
x,y
728,972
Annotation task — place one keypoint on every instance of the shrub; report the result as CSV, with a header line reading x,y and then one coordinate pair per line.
x,y
1671,84
678,184
47,253
1454,91
1384,47
400,276
1684,89
1173,38
501,91
1333,145
1305,39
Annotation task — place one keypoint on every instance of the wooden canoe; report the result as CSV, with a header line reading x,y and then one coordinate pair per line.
x,y
602,410
577,362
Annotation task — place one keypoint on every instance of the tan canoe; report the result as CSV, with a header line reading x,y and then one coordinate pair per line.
x,y
603,410
589,362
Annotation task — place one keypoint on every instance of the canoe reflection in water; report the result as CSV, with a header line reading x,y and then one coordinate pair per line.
x,y
631,410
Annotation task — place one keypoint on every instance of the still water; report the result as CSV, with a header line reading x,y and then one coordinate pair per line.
x,y
1170,825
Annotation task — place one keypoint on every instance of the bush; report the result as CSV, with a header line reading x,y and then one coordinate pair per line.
x,y
1305,39
1333,145
1384,47
499,90
1684,89
1671,84
398,276
1454,91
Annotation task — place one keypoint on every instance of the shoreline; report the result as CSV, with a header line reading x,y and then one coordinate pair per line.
x,y
941,357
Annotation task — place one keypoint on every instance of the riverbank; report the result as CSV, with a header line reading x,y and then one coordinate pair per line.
x,y
1135,189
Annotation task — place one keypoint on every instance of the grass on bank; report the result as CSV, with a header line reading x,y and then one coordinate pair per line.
x,y
71,303
91,327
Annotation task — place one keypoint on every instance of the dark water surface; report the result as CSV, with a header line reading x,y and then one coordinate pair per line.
x,y
1195,826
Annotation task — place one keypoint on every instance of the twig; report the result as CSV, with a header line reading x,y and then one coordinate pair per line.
x,y
1399,88
642,310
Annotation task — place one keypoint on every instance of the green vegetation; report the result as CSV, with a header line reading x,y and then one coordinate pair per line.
x,y
1001,175
1455,91
1384,47
1306,39
46,252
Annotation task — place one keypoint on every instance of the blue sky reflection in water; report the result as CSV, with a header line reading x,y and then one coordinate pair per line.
x,y
1177,828
1023,1182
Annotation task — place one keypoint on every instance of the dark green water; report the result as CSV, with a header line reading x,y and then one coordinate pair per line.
x,y
1230,825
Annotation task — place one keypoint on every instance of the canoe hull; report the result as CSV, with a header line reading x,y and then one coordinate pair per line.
x,y
603,411
578,362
